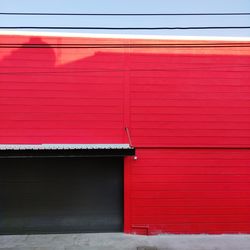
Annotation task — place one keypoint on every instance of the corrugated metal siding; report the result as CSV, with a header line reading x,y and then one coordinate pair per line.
x,y
178,97
190,191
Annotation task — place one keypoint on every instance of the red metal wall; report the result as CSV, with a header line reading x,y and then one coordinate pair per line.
x,y
188,111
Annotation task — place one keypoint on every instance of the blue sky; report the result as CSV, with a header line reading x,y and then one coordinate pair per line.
x,y
132,6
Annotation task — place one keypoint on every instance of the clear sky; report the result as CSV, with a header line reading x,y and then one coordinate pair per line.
x,y
131,6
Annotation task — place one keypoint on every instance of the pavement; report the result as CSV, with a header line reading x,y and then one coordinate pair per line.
x,y
114,241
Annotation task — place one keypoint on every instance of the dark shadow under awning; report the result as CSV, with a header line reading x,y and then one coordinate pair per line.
x,y
65,150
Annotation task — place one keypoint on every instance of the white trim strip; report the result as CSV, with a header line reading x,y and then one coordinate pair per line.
x,y
123,36
62,146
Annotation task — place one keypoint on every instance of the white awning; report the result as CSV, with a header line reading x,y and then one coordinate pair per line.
x,y
65,150
62,146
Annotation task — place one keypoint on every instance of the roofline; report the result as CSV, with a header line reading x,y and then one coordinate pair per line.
x,y
123,36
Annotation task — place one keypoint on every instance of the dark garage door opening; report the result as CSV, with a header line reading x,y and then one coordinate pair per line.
x,y
61,195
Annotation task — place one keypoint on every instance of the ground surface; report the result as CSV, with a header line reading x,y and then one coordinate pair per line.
x,y
112,241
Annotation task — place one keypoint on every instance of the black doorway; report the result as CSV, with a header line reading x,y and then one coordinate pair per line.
x,y
61,195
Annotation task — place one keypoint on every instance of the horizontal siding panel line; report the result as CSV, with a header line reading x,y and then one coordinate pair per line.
x,y
193,174
191,77
137,197
186,65
193,99
62,105
158,91
210,199
186,130
164,105
193,113
51,136
100,112
187,167
239,214
62,83
167,83
194,136
62,97
188,121
196,160
35,88
191,191
83,129
204,222
118,120
57,128
188,182
134,69
190,206
185,155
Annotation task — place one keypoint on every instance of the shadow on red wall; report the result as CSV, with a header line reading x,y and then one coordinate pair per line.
x,y
173,99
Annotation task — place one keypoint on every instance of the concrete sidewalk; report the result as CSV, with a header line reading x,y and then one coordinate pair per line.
x,y
113,241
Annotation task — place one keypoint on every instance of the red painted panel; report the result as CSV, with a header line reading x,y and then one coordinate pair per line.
x,y
188,190
195,99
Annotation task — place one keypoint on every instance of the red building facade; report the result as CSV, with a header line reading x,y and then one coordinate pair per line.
x,y
185,104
